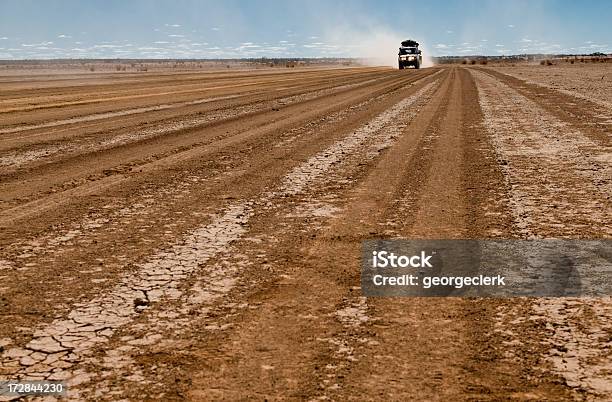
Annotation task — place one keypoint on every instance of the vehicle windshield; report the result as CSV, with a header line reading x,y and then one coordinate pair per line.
x,y
408,50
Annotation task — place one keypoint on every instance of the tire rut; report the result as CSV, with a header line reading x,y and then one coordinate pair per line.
x,y
101,233
294,183
570,199
592,119
185,144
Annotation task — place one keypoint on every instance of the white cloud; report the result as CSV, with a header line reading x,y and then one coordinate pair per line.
x,y
36,44
449,32
3,38
215,29
106,46
161,42
441,46
176,36
62,36
510,26
173,25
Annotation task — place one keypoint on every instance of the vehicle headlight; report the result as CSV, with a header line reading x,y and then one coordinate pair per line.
x,y
411,58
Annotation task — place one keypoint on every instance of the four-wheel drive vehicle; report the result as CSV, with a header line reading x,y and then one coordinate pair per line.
x,y
409,55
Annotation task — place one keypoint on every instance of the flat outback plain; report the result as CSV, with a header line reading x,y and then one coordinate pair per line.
x,y
196,234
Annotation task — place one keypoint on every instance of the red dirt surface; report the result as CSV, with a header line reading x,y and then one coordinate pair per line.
x,y
197,235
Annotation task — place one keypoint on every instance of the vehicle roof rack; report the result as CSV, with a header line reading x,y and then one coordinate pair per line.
x,y
410,43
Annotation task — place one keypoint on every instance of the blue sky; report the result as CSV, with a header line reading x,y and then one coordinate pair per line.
x,y
201,29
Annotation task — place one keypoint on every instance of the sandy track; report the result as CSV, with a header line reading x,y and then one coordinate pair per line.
x,y
151,84
546,208
586,115
188,138
591,82
214,253
80,138
66,115
296,136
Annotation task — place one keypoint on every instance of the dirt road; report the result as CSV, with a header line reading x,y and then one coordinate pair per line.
x,y
197,235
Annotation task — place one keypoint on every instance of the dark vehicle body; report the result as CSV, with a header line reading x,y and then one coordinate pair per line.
x,y
409,55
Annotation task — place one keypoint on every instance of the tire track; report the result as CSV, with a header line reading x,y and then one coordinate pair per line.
x,y
165,149
142,83
42,245
321,81
574,174
441,195
107,140
110,115
94,322
389,366
570,199
586,83
593,119
97,255
131,96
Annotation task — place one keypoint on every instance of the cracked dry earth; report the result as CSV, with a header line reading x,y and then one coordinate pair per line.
x,y
197,236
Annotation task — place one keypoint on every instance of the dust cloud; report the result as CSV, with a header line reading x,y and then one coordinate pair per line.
x,y
375,46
